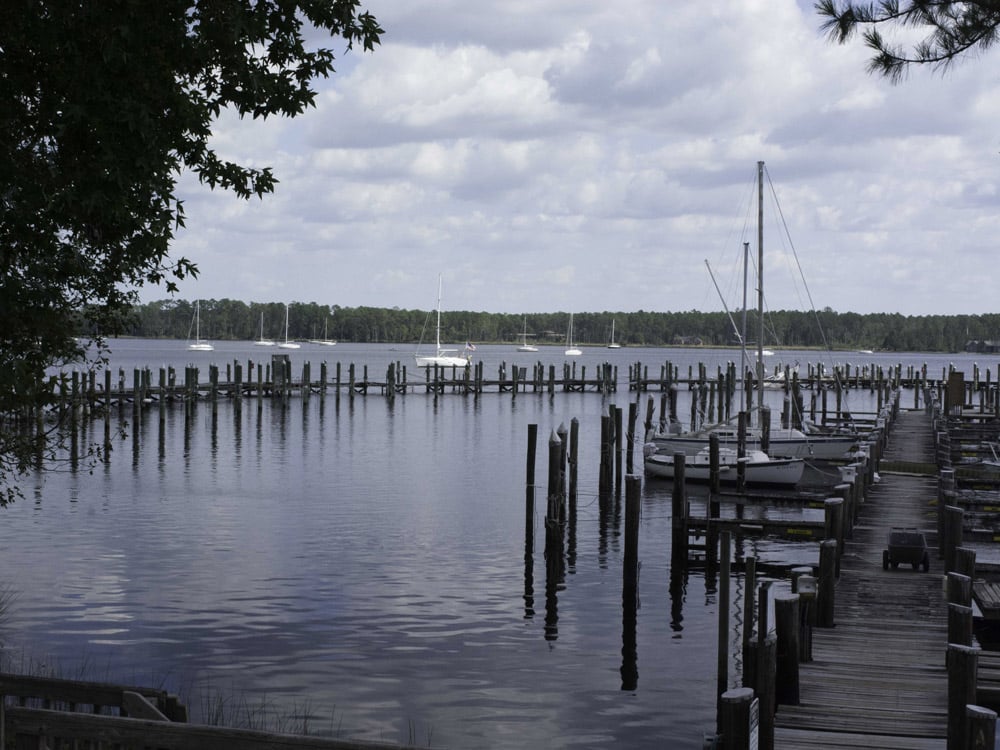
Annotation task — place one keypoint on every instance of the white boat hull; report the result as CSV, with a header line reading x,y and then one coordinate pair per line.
x,y
816,447
441,360
760,469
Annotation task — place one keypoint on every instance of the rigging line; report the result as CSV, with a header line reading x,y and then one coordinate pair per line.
x,y
798,265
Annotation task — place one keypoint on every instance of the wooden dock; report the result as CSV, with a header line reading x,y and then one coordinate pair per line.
x,y
878,678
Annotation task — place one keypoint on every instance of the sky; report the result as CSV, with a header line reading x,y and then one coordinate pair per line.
x,y
581,155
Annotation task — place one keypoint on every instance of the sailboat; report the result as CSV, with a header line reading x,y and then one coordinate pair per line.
x,y
199,344
759,468
571,349
263,341
786,442
525,346
441,357
611,342
326,340
286,344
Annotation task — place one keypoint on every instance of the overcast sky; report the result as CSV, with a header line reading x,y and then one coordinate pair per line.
x,y
583,155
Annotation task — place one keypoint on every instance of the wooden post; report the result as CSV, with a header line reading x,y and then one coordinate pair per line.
x,y
825,596
763,654
555,477
574,450
679,511
741,451
619,447
563,460
965,561
605,472
952,535
738,708
714,477
633,414
532,447
806,590
787,627
959,589
981,727
963,663
959,624
833,525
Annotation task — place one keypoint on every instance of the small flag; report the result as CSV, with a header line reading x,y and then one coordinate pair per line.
x,y
470,347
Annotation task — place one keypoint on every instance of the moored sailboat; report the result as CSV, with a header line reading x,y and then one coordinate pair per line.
x,y
784,442
286,344
572,350
199,344
524,346
441,357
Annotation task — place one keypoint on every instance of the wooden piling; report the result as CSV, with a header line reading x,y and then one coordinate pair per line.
x,y
962,662
787,627
826,584
739,708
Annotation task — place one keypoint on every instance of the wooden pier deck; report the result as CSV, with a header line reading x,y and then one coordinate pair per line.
x,y
878,678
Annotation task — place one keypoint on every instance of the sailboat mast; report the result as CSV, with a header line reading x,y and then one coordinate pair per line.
x,y
743,334
760,284
437,329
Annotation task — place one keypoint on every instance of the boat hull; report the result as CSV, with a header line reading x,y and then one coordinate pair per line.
x,y
775,471
816,447
441,361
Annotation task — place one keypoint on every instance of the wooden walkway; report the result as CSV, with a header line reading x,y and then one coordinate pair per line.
x,y
878,678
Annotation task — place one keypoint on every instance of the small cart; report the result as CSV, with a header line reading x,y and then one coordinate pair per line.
x,y
906,546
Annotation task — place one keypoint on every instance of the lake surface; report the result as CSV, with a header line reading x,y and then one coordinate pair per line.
x,y
364,563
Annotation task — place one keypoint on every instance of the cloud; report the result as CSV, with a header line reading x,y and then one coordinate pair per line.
x,y
515,145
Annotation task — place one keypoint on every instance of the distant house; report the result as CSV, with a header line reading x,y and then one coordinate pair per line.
x,y
686,341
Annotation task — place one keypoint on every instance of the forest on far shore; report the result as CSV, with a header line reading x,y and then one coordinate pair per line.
x,y
235,320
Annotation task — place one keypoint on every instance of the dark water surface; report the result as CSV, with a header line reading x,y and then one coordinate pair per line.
x,y
365,563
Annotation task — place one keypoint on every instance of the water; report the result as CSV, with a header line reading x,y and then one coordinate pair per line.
x,y
364,563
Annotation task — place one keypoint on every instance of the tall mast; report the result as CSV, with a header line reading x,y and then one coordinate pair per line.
x,y
743,334
760,284
437,328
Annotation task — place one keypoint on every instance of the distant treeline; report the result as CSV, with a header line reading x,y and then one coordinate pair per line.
x,y
235,320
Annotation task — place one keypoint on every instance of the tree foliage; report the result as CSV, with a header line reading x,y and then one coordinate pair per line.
x,y
103,105
823,329
951,30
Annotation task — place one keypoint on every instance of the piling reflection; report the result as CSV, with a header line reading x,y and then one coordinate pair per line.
x,y
555,575
630,586
529,553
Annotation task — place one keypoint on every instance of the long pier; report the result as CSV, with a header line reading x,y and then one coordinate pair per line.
x,y
878,678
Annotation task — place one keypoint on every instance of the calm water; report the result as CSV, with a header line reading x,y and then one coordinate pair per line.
x,y
365,563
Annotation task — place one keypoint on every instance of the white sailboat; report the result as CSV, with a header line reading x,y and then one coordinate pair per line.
x,y
326,340
441,357
611,342
572,350
525,346
199,344
785,442
263,341
759,468
286,344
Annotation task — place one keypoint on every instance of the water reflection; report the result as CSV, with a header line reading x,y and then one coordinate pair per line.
x,y
367,553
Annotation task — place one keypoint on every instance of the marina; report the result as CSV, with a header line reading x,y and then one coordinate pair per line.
x,y
310,544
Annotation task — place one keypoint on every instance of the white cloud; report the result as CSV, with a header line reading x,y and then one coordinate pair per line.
x,y
579,154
